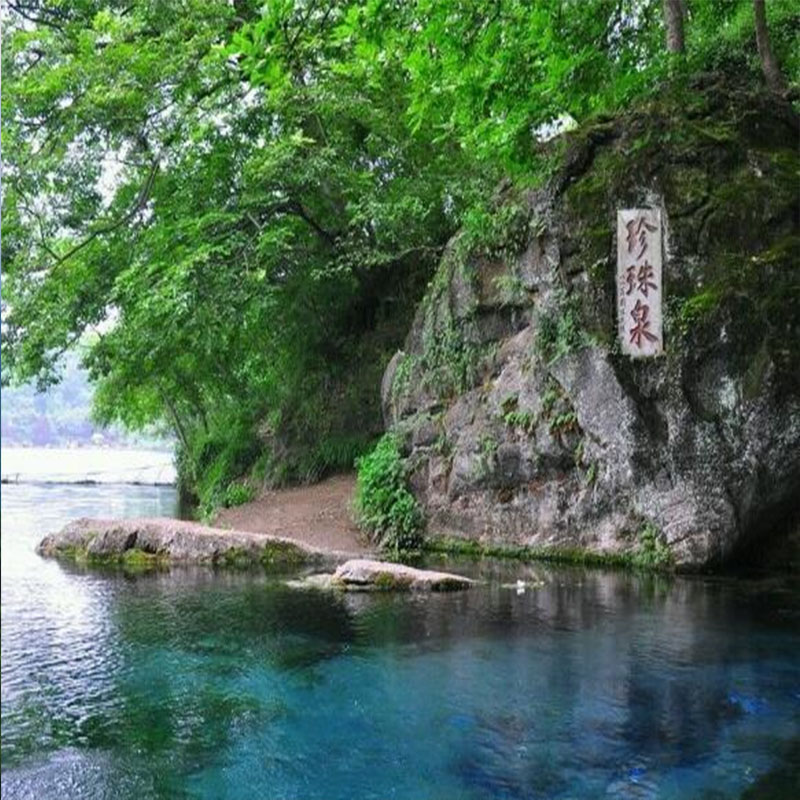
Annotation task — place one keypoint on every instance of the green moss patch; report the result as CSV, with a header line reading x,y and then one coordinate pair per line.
x,y
282,555
133,560
276,555
387,582
237,558
640,559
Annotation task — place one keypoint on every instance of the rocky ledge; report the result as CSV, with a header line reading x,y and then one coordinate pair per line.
x,y
363,575
523,425
150,542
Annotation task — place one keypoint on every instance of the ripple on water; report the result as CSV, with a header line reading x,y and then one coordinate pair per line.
x,y
203,684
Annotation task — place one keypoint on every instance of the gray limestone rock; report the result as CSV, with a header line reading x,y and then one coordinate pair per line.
x,y
546,435
365,574
144,542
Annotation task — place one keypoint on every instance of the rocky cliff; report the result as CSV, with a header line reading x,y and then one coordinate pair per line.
x,y
521,421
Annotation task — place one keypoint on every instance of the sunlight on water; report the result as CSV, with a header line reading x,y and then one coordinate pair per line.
x,y
98,465
202,684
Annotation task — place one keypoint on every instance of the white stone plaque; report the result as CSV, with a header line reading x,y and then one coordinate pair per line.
x,y
639,282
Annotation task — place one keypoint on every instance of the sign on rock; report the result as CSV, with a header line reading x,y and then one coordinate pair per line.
x,y
639,282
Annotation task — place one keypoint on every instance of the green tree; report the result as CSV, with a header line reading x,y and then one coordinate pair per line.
x,y
227,202
235,207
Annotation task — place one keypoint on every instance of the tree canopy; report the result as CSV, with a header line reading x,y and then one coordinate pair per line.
x,y
231,208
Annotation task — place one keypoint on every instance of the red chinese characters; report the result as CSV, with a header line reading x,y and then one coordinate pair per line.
x,y
640,314
637,234
639,275
640,279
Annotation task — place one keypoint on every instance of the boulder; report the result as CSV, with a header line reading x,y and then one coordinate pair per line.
x,y
161,541
367,575
547,436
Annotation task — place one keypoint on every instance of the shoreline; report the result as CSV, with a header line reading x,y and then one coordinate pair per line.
x,y
6,480
318,515
307,525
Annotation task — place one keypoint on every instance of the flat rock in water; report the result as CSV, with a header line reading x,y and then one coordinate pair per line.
x,y
143,541
365,574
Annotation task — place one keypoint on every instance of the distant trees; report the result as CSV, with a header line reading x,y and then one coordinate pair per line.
x,y
60,416
675,13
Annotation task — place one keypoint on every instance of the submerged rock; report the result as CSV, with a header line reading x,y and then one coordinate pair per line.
x,y
523,424
143,542
364,575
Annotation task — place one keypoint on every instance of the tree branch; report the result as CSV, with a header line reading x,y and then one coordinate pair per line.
x,y
141,199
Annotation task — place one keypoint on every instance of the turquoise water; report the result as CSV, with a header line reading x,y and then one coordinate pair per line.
x,y
203,684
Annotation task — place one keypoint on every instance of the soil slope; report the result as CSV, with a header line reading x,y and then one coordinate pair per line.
x,y
318,515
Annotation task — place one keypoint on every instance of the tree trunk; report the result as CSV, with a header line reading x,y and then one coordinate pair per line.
x,y
769,64
673,19
176,420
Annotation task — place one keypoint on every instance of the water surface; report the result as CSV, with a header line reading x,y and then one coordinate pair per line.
x,y
204,684
87,464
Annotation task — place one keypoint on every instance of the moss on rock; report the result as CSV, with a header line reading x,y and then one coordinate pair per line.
x,y
282,555
132,560
450,545
610,441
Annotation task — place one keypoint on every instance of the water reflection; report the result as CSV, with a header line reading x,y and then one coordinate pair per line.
x,y
196,683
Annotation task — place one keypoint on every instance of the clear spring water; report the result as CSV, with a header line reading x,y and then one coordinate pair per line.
x,y
203,684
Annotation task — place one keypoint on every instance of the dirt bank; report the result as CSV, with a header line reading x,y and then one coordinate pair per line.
x,y
318,516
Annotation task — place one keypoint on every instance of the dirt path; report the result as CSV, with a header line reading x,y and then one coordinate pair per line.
x,y
317,515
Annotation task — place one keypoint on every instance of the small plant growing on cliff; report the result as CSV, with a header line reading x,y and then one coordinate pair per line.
x,y
443,446
550,398
487,451
384,505
524,420
488,446
402,377
511,289
652,551
559,331
564,422
451,364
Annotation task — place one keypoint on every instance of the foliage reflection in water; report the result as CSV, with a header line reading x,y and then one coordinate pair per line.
x,y
196,683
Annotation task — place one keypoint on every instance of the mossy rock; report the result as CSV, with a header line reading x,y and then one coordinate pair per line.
x,y
705,441
282,555
133,560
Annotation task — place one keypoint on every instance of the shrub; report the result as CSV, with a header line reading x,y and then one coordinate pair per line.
x,y
238,493
652,551
216,460
384,505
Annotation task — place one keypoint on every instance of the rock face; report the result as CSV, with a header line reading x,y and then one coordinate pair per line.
x,y
149,541
522,422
